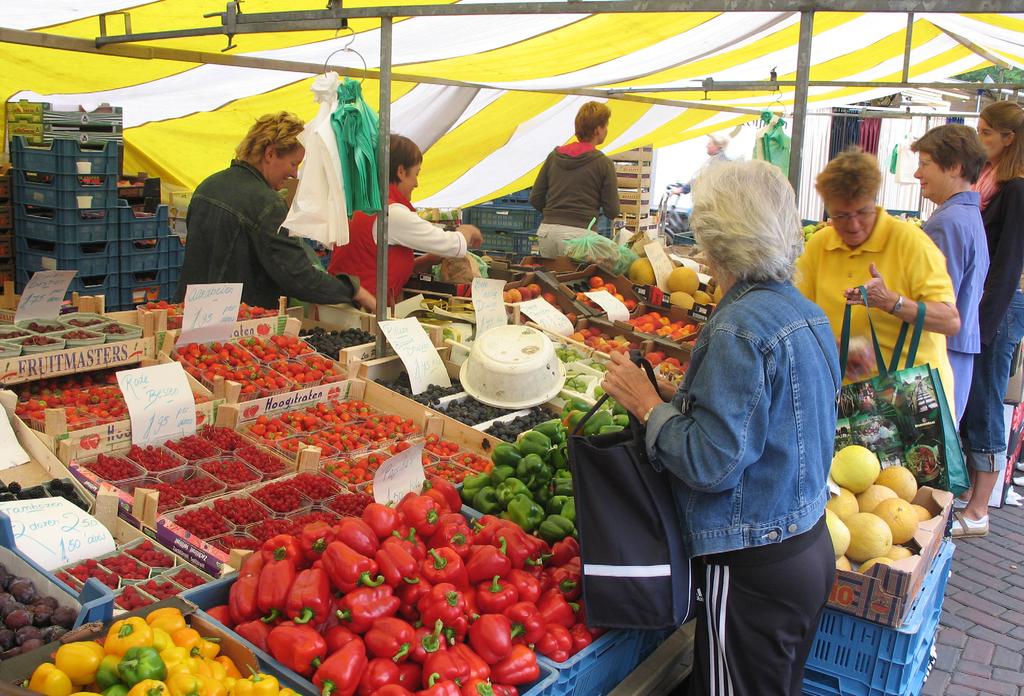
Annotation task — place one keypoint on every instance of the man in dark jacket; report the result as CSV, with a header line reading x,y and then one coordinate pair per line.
x,y
234,226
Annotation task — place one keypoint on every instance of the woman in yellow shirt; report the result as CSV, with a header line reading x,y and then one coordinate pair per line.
x,y
895,260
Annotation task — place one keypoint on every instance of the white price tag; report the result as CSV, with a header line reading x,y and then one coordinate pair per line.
x,y
54,532
407,307
547,316
211,311
160,403
44,294
401,474
488,304
417,353
615,310
660,262
11,453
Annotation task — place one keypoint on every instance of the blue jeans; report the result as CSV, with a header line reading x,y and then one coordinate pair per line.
x,y
981,427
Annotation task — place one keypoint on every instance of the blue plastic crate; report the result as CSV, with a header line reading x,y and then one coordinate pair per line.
x,y
216,593
649,641
507,218
136,225
96,598
599,667
146,254
913,678
105,284
140,287
68,191
515,198
88,258
177,253
868,658
65,156
60,225
517,243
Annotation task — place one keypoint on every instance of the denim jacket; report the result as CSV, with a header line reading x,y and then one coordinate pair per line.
x,y
748,438
234,236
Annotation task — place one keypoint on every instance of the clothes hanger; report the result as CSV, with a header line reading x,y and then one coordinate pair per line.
x,y
348,47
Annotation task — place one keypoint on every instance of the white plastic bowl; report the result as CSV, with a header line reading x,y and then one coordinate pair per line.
x,y
513,367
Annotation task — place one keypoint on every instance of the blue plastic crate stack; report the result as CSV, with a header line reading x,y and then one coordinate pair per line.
x,y
6,230
509,224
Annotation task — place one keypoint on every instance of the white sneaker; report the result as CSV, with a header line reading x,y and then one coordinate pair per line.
x,y
1018,480
966,527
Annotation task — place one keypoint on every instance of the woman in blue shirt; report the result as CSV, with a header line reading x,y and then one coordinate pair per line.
x,y
748,439
950,159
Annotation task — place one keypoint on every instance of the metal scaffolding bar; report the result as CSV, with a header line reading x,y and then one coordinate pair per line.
x,y
383,154
712,85
907,46
803,75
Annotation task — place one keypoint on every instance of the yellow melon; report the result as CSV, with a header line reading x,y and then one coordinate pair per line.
x,y
898,553
869,499
683,279
641,272
900,516
681,299
717,296
843,563
923,515
844,504
881,560
900,480
701,297
870,537
839,533
855,467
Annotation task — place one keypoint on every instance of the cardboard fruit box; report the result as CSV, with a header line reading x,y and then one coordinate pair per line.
x,y
580,281
885,593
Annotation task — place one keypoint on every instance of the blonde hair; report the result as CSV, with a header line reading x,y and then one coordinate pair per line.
x,y
280,131
852,175
590,117
1007,117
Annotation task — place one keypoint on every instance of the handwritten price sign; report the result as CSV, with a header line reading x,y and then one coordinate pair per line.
x,y
547,316
401,474
44,294
53,532
615,310
210,313
160,403
488,305
417,353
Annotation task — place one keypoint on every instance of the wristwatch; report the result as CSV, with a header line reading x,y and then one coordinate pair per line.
x,y
898,306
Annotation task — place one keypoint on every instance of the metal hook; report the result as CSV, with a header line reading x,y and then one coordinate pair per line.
x,y
347,47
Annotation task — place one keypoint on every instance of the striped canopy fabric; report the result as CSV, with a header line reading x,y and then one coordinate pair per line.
x,y
521,77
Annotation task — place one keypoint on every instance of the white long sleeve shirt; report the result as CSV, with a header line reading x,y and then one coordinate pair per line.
x,y
406,228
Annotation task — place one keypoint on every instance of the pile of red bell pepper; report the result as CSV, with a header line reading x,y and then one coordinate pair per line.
x,y
412,600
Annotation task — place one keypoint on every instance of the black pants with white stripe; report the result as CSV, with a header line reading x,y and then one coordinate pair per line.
x,y
760,613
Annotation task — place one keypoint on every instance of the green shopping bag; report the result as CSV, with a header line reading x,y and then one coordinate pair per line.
x,y
902,415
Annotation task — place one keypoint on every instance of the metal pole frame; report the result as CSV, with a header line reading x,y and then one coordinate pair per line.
x,y
803,76
383,155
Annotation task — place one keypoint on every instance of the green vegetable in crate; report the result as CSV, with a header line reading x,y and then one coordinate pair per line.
x,y
599,420
543,494
533,442
621,419
553,429
505,455
509,489
486,501
139,664
574,417
555,528
501,473
609,429
563,482
472,485
533,471
569,510
524,512
116,690
106,675
556,503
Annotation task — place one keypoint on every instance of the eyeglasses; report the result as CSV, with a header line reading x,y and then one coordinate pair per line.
x,y
846,217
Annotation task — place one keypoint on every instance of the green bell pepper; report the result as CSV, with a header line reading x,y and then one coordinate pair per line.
x,y
505,455
533,442
554,430
542,495
554,506
609,429
597,421
569,510
524,512
617,408
575,416
486,501
500,473
559,457
620,419
472,485
555,528
509,489
116,690
563,483
139,664
532,468
106,675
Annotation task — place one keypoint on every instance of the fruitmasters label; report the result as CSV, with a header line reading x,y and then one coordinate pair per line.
x,y
418,354
211,312
44,294
160,402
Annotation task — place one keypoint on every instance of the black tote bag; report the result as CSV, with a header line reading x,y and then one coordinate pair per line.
x,y
636,573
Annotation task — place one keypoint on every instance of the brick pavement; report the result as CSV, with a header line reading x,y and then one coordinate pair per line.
x,y
980,643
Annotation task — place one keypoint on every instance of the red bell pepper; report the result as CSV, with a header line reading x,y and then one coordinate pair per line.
x,y
357,534
477,687
491,637
280,547
396,564
276,580
446,664
437,497
221,613
539,550
524,616
520,667
444,602
378,674
314,538
340,673
360,608
487,561
553,607
447,490
581,637
568,581
516,546
299,647
412,543
439,687
478,669
419,512
347,569
381,519
242,595
309,600
487,527
494,597
390,638
427,640
409,595
564,550
504,690
255,632
337,637
556,643
394,690
526,585
444,566
410,674
456,535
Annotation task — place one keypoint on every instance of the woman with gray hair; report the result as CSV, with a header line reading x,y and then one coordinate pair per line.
x,y
748,439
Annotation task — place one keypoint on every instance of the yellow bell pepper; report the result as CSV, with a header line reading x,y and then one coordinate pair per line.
x,y
79,661
258,684
50,681
229,666
197,645
287,692
214,687
217,670
85,693
229,683
161,639
194,665
149,687
127,634
181,684
173,656
167,619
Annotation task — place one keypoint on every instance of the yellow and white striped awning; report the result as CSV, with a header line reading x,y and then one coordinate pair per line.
x,y
489,136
